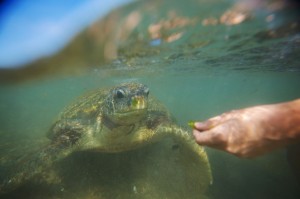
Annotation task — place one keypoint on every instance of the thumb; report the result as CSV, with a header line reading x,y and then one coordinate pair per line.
x,y
204,138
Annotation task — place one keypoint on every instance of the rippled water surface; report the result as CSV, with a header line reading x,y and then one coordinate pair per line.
x,y
210,69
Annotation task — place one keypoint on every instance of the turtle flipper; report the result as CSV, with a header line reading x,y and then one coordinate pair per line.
x,y
30,165
64,140
194,154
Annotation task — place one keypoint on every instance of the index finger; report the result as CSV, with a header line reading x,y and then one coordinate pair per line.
x,y
208,124
214,121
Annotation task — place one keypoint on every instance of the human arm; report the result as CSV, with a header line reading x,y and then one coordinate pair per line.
x,y
252,131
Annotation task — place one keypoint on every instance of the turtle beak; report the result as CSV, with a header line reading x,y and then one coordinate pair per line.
x,y
138,102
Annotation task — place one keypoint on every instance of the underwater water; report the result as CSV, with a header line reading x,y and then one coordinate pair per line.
x,y
194,95
208,71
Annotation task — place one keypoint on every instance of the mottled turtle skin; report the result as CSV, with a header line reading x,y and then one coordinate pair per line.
x,y
112,120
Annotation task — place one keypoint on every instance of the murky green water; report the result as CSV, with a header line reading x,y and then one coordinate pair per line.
x,y
31,108
208,71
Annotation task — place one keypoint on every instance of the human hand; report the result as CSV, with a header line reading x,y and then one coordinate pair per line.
x,y
249,132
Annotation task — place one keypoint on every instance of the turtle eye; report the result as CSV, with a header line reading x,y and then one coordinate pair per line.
x,y
120,93
147,92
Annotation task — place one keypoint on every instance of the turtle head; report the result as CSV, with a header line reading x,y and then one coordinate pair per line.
x,y
126,104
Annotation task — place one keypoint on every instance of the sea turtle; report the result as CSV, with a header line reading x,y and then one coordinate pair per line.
x,y
112,120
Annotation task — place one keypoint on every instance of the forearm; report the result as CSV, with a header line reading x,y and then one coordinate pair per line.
x,y
285,122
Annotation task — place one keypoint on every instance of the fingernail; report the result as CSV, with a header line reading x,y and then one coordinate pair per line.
x,y
199,125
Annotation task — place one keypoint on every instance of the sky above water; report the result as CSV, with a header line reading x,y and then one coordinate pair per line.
x,y
32,28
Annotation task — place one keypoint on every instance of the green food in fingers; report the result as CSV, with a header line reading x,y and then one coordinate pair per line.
x,y
191,124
